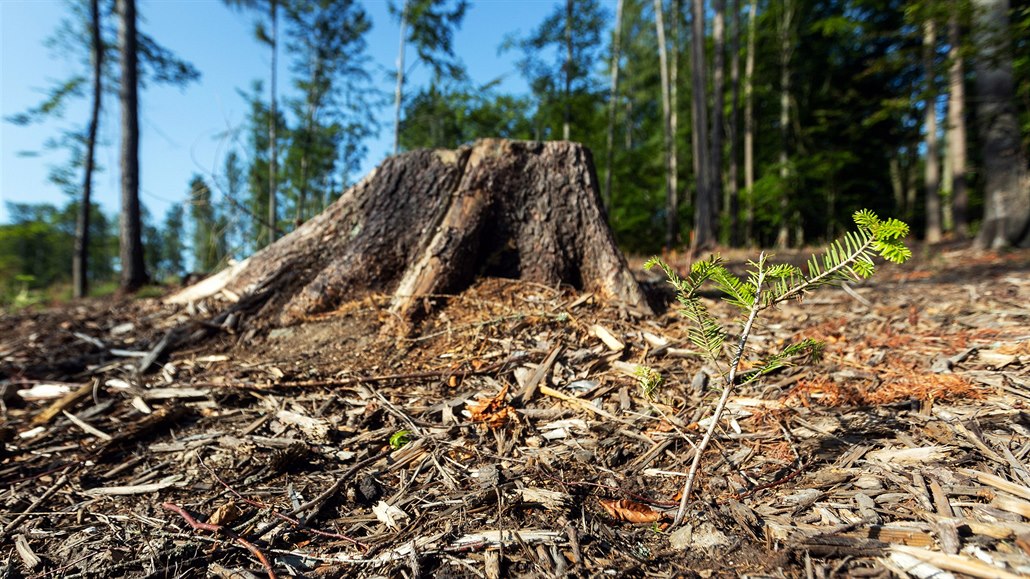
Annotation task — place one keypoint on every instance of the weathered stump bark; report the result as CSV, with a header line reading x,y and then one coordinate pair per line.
x,y
429,222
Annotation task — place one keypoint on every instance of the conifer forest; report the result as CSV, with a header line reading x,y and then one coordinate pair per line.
x,y
721,288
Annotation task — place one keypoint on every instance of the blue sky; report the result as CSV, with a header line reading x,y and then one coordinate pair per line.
x,y
180,128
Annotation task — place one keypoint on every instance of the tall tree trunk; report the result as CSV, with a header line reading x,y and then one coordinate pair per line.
x,y
911,181
749,125
1007,191
302,189
613,101
673,48
931,180
566,129
273,122
897,181
957,129
398,92
704,215
786,50
134,273
718,115
80,263
733,177
671,198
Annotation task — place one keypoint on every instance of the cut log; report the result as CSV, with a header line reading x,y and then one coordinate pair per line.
x,y
427,223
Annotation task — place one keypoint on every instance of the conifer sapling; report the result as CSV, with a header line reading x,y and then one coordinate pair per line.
x,y
766,284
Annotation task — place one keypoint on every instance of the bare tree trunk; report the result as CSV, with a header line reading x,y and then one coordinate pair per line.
x,y
897,181
302,189
273,124
613,98
957,129
673,48
134,273
911,181
931,180
786,50
671,198
718,117
1006,220
704,214
733,177
80,262
749,125
566,128
427,223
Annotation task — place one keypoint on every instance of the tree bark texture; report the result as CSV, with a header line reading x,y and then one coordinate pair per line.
x,y
1007,189
427,223
80,262
134,273
932,171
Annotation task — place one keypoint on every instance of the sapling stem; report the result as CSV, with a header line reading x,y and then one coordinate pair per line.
x,y
721,406
850,258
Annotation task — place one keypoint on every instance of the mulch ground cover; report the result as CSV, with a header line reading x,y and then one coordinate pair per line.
x,y
512,435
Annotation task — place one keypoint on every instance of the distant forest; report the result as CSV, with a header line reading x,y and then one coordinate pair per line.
x,y
711,123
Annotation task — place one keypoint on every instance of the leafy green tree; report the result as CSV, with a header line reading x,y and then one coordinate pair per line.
x,y
87,31
444,117
269,35
260,152
558,59
429,26
35,246
233,207
327,39
208,229
172,247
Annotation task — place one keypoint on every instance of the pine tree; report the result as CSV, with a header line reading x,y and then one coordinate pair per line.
x,y
429,26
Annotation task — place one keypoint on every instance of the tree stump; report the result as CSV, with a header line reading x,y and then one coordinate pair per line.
x,y
428,222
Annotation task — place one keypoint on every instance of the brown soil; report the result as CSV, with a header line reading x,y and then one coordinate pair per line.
x,y
522,444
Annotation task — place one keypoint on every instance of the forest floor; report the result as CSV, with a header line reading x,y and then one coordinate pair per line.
x,y
510,437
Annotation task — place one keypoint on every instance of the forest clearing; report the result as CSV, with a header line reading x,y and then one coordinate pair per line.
x,y
510,436
442,288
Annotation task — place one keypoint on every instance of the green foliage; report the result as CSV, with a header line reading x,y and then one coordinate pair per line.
x,y
448,117
842,261
36,249
766,284
172,246
208,241
400,439
649,379
430,30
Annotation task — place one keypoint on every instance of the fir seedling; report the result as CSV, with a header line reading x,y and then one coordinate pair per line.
x,y
847,259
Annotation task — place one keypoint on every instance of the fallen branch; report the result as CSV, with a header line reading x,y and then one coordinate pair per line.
x,y
220,529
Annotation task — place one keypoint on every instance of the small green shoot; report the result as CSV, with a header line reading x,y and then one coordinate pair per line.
x,y
649,380
400,439
764,286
